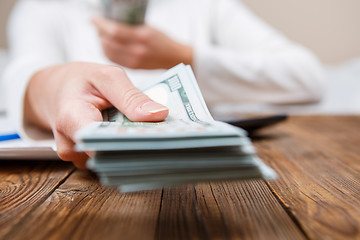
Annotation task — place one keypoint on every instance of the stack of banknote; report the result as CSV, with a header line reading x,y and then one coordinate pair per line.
x,y
125,11
189,146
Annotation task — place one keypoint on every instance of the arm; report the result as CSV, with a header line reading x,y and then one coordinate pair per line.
x,y
50,96
66,97
34,37
248,61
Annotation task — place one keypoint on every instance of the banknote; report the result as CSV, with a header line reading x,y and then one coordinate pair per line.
x,y
116,136
188,125
125,11
189,146
164,160
178,90
147,182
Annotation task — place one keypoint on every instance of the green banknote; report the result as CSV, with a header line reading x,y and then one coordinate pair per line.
x,y
171,178
189,124
187,147
178,90
125,11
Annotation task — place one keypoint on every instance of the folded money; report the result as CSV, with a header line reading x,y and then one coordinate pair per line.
x,y
172,134
125,11
188,147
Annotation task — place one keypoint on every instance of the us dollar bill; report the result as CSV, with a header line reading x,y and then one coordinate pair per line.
x,y
178,90
125,11
136,180
188,125
187,147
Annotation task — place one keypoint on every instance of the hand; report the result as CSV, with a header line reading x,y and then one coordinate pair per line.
x,y
140,47
65,98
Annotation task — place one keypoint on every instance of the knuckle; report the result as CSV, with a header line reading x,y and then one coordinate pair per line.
x,y
144,35
108,72
132,97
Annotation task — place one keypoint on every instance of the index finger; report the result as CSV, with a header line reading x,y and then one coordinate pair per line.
x,y
113,83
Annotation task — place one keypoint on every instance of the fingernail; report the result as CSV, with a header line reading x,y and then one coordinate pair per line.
x,y
153,107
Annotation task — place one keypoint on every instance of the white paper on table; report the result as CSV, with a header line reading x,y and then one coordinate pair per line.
x,y
18,149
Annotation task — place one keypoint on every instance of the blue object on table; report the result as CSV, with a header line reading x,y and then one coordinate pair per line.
x,y
7,137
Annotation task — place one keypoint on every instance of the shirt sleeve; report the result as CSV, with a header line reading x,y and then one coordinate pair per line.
x,y
247,61
34,42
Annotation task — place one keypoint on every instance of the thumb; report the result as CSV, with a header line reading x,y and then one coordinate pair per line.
x,y
116,87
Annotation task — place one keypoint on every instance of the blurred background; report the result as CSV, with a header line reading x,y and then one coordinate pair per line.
x,y
329,28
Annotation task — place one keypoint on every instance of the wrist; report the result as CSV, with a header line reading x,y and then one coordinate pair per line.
x,y
35,101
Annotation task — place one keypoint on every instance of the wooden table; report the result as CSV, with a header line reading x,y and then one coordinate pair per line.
x,y
317,195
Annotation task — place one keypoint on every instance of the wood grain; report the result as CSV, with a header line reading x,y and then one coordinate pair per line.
x,y
81,208
318,162
24,186
229,210
317,195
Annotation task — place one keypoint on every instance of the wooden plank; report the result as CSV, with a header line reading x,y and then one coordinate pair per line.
x,y
83,209
317,159
318,162
228,210
25,185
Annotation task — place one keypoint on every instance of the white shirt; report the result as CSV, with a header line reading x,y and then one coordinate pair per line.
x,y
237,57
